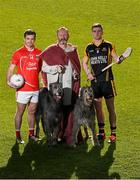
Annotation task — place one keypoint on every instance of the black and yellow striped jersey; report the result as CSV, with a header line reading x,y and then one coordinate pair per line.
x,y
100,57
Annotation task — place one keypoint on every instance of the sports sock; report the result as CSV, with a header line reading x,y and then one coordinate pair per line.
x,y
18,134
113,131
101,128
31,132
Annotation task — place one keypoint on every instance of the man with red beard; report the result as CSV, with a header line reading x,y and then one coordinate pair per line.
x,y
63,58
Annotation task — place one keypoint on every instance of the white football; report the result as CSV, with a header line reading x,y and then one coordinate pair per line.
x,y
17,80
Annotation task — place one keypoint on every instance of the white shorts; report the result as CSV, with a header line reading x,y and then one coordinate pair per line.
x,y
25,97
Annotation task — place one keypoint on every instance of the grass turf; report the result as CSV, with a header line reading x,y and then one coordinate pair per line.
x,y
122,27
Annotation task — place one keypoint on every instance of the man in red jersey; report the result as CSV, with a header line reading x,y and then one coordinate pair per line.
x,y
29,67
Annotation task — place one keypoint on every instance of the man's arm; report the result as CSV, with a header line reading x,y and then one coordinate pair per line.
x,y
114,55
76,66
86,69
43,79
123,56
52,69
9,74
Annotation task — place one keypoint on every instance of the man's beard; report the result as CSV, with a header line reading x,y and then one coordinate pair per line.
x,y
63,41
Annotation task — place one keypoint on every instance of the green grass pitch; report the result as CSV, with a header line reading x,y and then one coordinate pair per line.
x,y
121,21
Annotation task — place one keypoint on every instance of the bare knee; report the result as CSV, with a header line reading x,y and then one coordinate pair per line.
x,y
99,109
32,109
19,112
111,109
98,104
110,105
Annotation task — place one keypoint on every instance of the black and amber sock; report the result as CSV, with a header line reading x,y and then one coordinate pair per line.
x,y
101,128
113,131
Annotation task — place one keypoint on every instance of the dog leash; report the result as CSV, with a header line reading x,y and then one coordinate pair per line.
x,y
60,76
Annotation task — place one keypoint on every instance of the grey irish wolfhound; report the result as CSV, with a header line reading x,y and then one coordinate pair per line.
x,y
84,114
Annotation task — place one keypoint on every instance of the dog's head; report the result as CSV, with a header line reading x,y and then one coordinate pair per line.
x,y
86,95
56,90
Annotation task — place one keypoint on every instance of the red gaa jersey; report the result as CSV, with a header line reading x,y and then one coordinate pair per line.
x,y
29,67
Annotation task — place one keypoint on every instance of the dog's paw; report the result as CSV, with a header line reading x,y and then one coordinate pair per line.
x,y
97,144
49,143
54,143
73,145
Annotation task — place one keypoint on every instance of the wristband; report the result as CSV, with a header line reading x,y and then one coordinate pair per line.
x,y
121,58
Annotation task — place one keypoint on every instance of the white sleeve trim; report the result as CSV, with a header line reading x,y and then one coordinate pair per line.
x,y
49,69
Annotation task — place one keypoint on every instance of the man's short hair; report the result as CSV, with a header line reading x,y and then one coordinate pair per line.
x,y
29,32
96,25
63,28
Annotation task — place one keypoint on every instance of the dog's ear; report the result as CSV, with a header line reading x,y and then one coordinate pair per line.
x,y
80,92
79,95
50,86
91,89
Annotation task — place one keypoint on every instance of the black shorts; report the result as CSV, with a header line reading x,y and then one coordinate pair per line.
x,y
104,89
